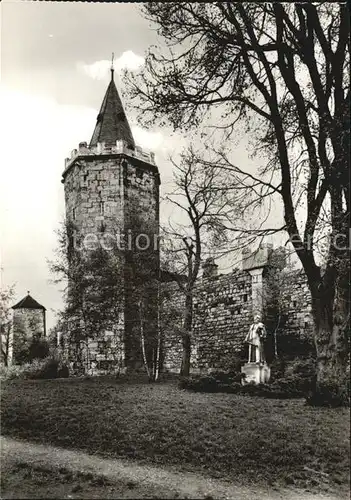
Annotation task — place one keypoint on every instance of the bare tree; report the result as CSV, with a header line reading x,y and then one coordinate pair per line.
x,y
6,337
205,205
283,70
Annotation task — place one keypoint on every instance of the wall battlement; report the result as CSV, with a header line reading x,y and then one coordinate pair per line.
x,y
121,147
258,258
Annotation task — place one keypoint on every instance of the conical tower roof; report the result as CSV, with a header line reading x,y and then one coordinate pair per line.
x,y
28,303
112,124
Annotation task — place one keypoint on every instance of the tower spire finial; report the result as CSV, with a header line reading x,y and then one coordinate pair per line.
x,y
112,68
112,124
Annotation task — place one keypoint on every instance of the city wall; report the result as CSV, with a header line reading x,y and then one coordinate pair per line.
x,y
224,306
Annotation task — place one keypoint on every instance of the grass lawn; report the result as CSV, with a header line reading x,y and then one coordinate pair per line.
x,y
23,480
239,438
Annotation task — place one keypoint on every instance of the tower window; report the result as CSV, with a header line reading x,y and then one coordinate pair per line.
x,y
245,297
74,214
102,207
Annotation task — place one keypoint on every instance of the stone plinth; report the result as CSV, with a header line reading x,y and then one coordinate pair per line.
x,y
256,372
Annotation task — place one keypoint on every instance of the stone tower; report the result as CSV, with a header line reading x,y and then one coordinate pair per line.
x,y
28,322
112,201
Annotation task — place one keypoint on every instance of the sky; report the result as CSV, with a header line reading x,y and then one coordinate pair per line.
x,y
55,60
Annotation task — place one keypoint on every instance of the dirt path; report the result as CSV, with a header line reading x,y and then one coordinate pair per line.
x,y
148,481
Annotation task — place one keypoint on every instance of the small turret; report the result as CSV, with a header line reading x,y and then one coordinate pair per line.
x,y
209,268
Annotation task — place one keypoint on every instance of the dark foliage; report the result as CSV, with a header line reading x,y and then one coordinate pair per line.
x,y
227,382
292,346
278,368
330,396
50,368
38,348
297,384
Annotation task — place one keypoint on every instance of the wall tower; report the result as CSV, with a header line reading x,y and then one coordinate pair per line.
x,y
28,323
112,202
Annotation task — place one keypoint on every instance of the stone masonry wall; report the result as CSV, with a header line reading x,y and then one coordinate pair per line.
x,y
29,321
141,215
222,318
171,316
223,313
295,334
94,195
112,198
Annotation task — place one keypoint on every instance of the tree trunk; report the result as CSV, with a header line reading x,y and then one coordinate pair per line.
x,y
186,336
186,343
331,316
142,338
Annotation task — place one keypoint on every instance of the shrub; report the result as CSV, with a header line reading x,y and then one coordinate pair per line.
x,y
275,390
35,348
302,367
293,379
233,362
217,381
23,371
282,389
63,371
53,367
227,377
292,386
235,387
48,368
278,367
332,395
38,349
10,372
207,383
296,377
250,389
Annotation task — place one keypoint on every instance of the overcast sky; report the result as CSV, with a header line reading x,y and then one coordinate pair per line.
x,y
55,61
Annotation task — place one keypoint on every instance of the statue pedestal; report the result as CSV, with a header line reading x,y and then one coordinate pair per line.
x,y
256,372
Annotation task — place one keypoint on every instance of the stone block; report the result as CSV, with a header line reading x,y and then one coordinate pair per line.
x,y
256,372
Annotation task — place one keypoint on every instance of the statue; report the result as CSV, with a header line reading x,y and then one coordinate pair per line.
x,y
254,338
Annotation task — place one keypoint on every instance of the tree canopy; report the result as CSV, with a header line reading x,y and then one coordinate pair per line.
x,y
282,70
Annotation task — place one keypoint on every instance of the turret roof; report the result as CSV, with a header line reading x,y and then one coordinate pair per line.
x,y
28,303
112,124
